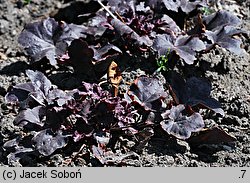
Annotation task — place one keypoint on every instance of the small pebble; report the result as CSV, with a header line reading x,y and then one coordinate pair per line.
x,y
3,56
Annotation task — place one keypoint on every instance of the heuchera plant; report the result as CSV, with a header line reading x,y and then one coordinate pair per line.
x,y
93,115
143,26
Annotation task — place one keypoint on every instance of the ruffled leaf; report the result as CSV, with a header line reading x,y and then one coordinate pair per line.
x,y
224,38
146,90
19,93
48,38
40,90
184,46
220,19
122,6
174,5
124,29
194,92
34,115
47,142
181,126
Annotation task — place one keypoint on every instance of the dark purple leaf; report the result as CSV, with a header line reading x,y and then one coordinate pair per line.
x,y
181,126
36,90
104,56
96,109
143,136
193,92
58,96
103,115
48,38
84,126
68,33
199,93
19,93
18,154
122,6
213,135
79,106
41,84
77,136
154,3
39,90
39,81
188,6
170,25
220,19
224,38
81,56
46,142
184,46
124,113
34,115
93,91
174,5
116,114
125,30
97,25
45,91
141,7
12,143
104,51
146,90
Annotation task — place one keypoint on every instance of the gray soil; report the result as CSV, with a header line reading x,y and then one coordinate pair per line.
x,y
229,74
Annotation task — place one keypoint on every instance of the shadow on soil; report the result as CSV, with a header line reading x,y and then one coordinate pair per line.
x,y
70,14
14,69
206,153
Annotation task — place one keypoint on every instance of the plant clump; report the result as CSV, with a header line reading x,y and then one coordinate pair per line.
x,y
97,114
